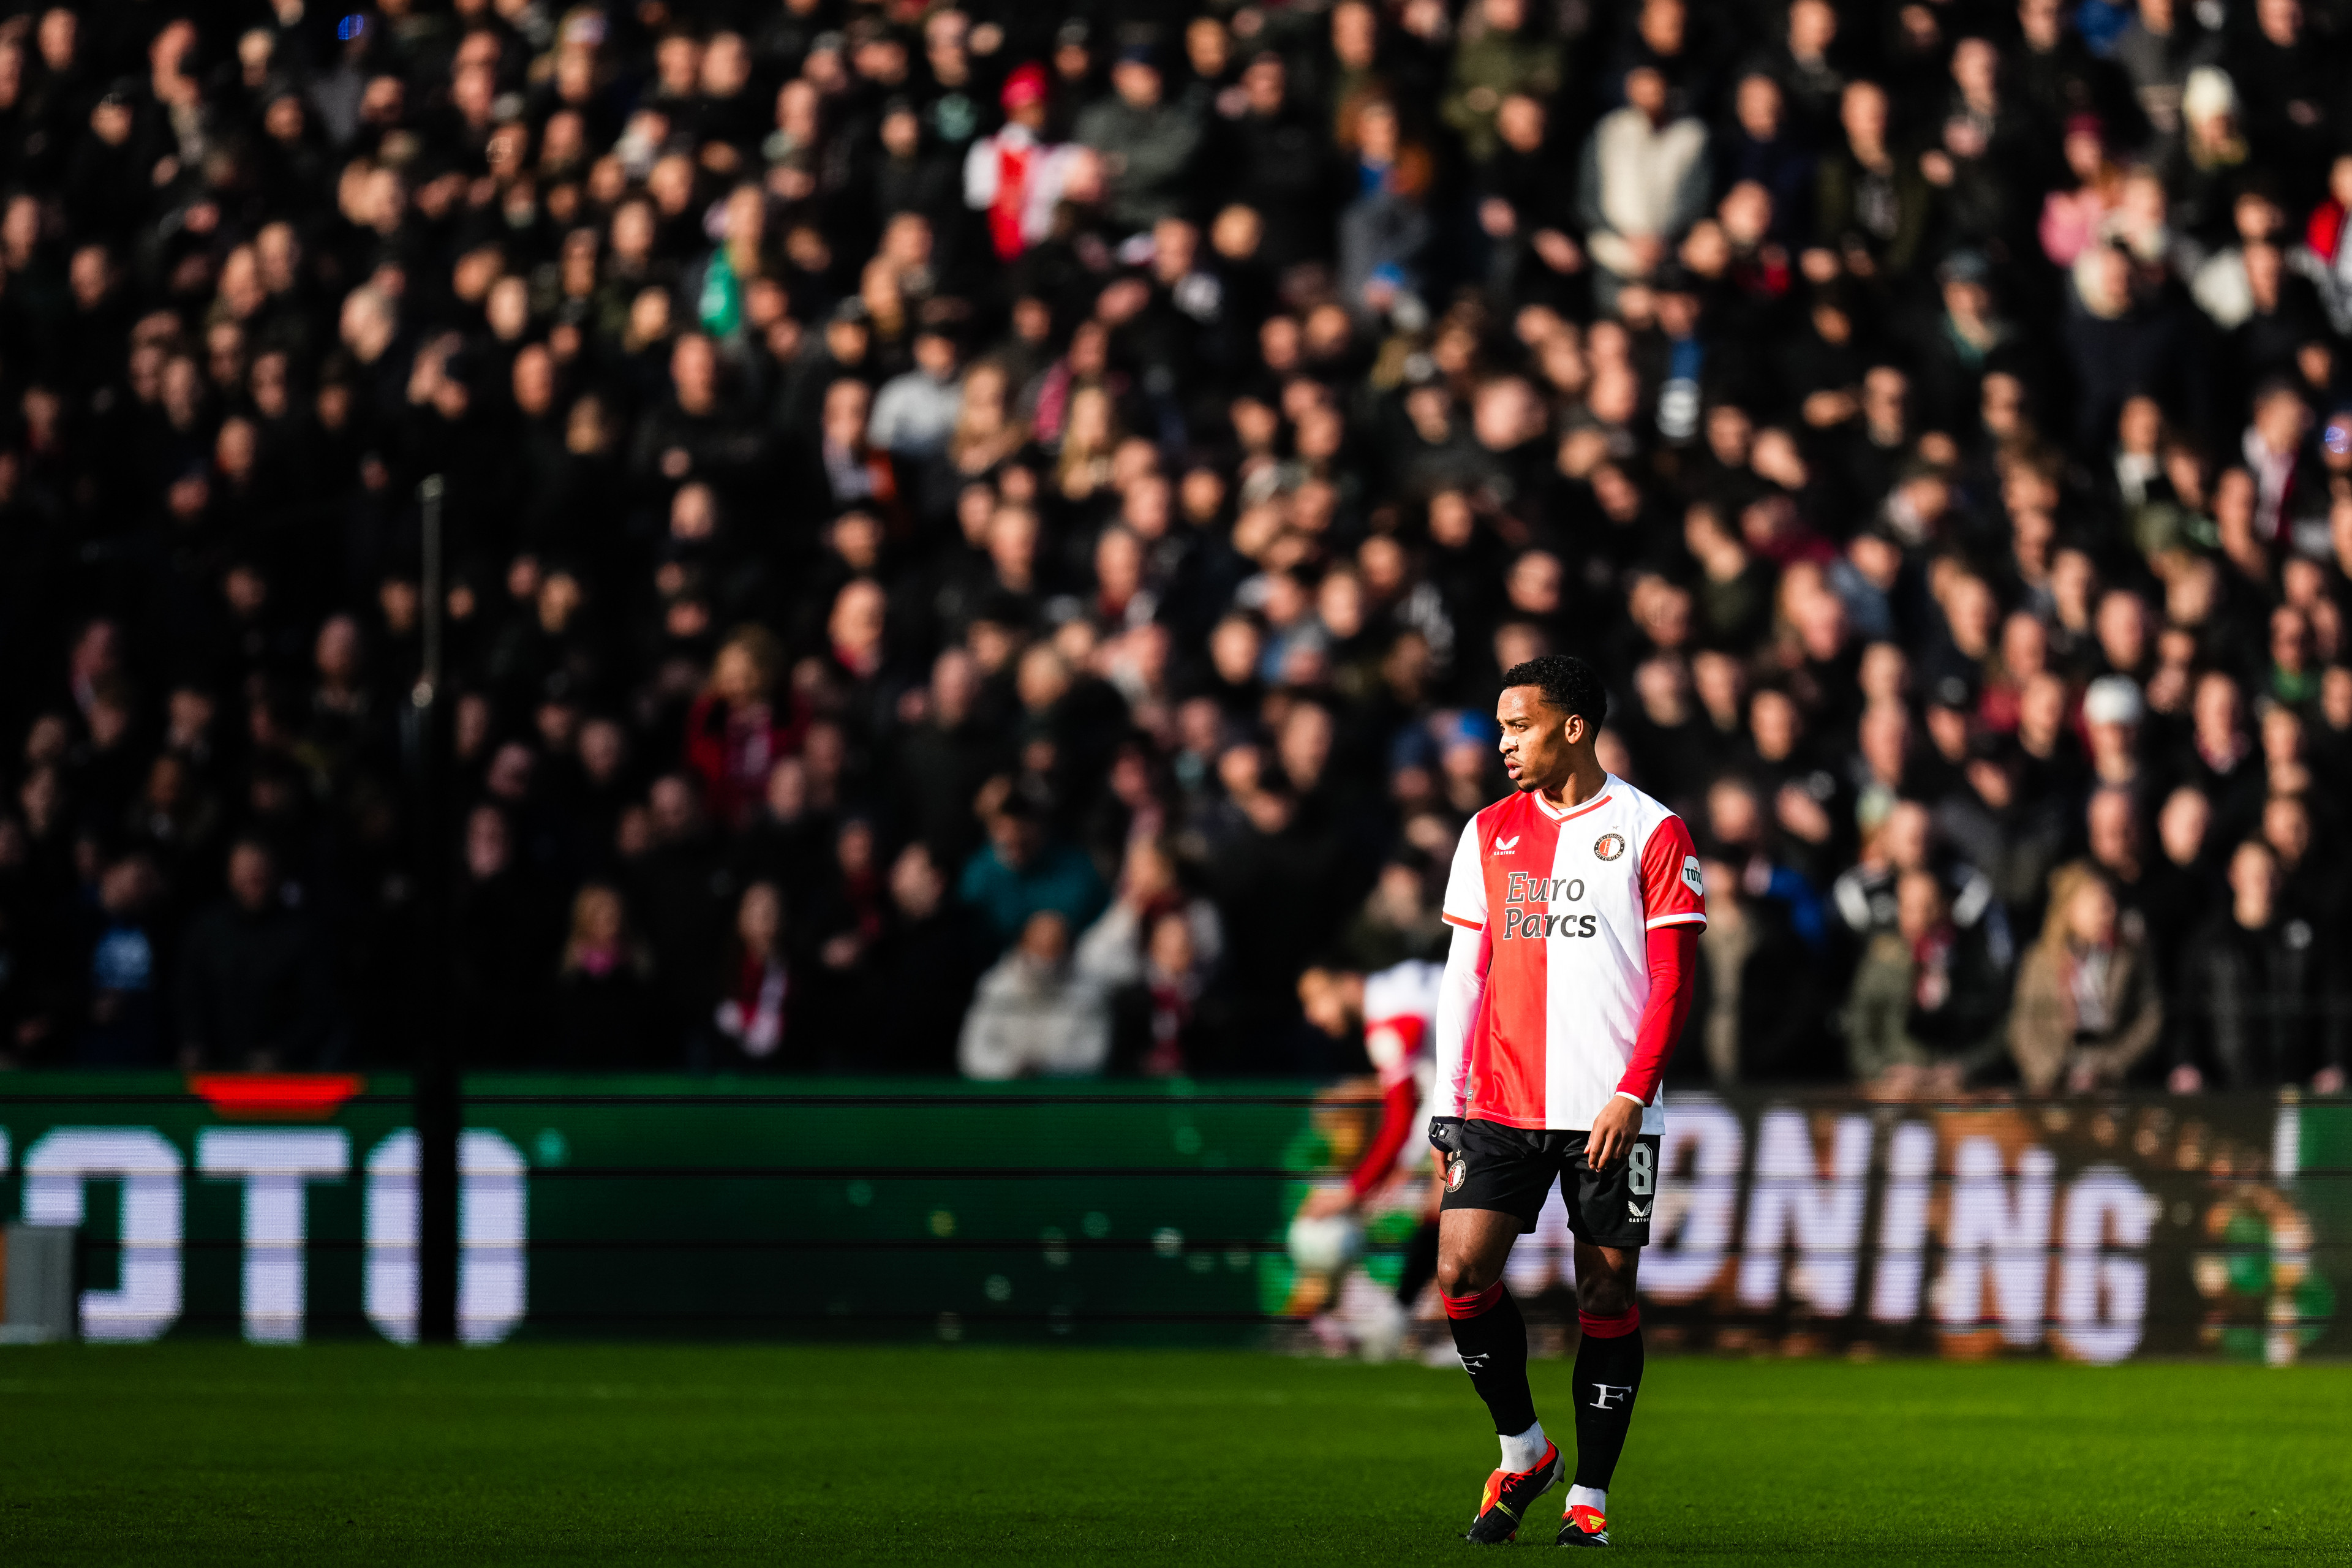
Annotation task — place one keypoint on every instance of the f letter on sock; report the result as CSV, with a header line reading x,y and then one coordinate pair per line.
x,y
1492,1340
1608,1376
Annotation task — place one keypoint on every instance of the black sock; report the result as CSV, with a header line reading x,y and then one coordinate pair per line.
x,y
1608,1375
1420,1263
1493,1341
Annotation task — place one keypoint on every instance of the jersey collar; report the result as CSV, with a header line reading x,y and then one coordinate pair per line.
x,y
1608,788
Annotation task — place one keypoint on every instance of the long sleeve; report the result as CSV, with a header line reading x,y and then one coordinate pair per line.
x,y
2140,1001
1111,951
1691,190
1673,977
1460,996
1462,989
989,1050
1874,1038
2040,1024
980,175
1396,1125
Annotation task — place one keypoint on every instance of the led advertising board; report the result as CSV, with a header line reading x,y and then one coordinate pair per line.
x,y
285,1208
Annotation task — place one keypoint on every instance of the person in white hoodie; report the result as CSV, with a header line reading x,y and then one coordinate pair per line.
x,y
1037,1013
1643,183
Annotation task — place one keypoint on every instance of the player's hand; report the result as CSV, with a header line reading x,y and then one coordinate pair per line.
x,y
1445,1134
1325,1202
1612,1132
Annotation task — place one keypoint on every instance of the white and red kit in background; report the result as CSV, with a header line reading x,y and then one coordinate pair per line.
x,y
1399,1035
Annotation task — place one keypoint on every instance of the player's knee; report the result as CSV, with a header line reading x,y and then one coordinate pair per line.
x,y
1604,1294
1463,1274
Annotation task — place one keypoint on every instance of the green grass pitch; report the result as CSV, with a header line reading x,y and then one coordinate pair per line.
x,y
215,1453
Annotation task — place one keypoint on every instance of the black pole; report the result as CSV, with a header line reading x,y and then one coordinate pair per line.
x,y
438,1109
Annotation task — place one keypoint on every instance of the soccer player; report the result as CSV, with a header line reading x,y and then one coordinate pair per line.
x,y
1398,1009
1577,903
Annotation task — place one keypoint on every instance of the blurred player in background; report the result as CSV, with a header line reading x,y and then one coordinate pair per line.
x,y
1577,904
1396,1007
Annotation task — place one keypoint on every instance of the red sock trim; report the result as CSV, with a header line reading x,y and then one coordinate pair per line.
x,y
1614,1328
1459,1307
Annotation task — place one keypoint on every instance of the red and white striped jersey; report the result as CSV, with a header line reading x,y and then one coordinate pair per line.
x,y
1566,900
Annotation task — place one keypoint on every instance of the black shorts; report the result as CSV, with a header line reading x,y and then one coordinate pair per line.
x,y
1512,1169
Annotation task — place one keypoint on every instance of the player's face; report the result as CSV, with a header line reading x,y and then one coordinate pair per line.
x,y
1536,738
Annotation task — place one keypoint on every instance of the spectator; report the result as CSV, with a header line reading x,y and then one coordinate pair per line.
x,y
255,992
1146,143
916,413
1037,1013
1645,181
1158,977
1758,1015
734,731
2270,1005
126,1011
1015,175
1023,870
1873,203
1282,166
1250,410
929,961
1500,56
1115,945
503,934
2087,1008
1385,230
604,1005
678,881
2156,49
1925,1013
750,1012
1398,922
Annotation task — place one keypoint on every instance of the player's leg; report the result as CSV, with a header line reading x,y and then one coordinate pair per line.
x,y
1608,1376
1495,1189
1421,1252
1610,1214
1491,1337
1488,1331
1420,1263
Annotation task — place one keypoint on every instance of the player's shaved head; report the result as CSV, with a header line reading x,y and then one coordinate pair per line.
x,y
1567,683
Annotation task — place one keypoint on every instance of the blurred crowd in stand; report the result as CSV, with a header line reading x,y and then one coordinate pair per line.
x,y
982,537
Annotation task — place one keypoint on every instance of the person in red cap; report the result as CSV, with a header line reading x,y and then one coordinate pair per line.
x,y
1015,177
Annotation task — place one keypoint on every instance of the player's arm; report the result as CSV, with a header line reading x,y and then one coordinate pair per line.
x,y
1460,996
1674,968
1675,903
1461,991
1397,1106
1399,1095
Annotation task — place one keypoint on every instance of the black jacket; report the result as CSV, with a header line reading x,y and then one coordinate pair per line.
x,y
2262,1008
255,989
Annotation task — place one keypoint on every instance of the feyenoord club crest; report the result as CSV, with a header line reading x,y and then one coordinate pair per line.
x,y
1456,1168
1608,845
